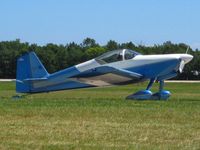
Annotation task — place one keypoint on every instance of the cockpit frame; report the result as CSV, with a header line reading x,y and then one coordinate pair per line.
x,y
116,55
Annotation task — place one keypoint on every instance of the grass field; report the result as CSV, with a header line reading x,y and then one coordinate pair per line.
x,y
100,118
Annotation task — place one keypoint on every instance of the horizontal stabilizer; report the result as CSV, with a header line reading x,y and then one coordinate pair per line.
x,y
35,79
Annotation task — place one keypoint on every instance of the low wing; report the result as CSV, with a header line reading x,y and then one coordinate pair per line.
x,y
106,75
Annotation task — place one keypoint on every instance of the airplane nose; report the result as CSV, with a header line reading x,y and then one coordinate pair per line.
x,y
186,58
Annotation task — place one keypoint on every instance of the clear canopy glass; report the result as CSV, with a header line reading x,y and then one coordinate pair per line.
x,y
116,55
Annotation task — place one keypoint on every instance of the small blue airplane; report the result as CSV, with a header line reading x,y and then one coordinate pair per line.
x,y
116,67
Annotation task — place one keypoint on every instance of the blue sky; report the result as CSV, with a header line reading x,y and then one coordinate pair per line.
x,y
140,21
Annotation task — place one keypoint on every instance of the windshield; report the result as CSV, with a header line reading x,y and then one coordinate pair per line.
x,y
116,55
129,54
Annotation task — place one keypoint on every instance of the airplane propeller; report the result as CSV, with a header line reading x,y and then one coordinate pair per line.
x,y
182,64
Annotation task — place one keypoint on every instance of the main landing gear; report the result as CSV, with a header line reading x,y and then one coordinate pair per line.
x,y
148,95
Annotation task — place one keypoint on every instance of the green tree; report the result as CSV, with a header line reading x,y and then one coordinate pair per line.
x,y
128,45
75,54
94,52
112,45
88,42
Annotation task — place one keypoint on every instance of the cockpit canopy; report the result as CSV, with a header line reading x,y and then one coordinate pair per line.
x,y
116,55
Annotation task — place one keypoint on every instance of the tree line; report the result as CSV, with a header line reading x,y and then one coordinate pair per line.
x,y
56,57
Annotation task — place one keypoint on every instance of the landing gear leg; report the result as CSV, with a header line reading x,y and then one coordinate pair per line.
x,y
162,94
162,83
143,94
150,84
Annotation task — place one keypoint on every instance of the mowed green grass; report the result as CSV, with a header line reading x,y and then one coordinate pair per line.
x,y
100,118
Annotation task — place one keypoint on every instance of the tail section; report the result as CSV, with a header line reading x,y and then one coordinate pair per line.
x,y
29,67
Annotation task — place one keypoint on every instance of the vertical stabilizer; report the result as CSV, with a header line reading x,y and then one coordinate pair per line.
x,y
28,67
